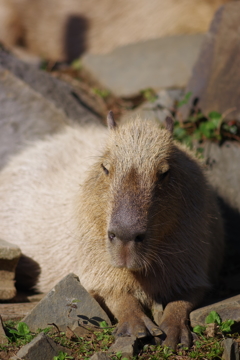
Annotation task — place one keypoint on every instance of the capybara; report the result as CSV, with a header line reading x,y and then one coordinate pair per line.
x,y
128,210
65,29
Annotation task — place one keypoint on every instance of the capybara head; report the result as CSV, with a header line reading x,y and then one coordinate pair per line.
x,y
137,191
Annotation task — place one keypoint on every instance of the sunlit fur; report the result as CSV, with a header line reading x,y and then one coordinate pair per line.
x,y
57,204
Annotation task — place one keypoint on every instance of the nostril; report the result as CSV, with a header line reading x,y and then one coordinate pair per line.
x,y
140,238
111,236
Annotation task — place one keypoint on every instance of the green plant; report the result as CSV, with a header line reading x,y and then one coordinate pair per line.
x,y
62,356
199,330
21,332
198,128
76,64
103,93
103,324
149,94
185,99
214,317
209,129
224,326
118,356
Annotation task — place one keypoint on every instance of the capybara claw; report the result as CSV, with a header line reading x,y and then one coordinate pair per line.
x,y
152,328
176,335
142,334
132,329
156,331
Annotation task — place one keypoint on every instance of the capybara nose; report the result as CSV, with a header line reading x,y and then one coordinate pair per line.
x,y
126,235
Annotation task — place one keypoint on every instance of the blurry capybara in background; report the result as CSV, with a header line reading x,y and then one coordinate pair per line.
x,y
64,29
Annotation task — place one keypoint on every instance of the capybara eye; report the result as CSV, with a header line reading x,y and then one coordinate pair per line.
x,y
163,175
105,169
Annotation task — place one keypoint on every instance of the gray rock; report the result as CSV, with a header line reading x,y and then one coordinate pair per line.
x,y
9,257
215,77
32,105
227,309
100,356
3,337
24,115
160,63
223,171
40,348
158,109
127,345
231,351
57,92
59,307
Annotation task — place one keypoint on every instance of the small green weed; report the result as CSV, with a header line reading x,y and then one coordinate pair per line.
x,y
149,94
224,326
214,318
76,64
103,93
118,356
21,333
62,356
199,128
185,99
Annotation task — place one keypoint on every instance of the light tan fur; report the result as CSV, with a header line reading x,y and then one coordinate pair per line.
x,y
64,29
60,197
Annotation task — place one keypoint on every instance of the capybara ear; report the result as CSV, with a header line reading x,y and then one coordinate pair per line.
x,y
110,120
169,124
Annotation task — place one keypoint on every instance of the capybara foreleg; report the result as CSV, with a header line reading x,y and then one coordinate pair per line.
x,y
131,318
175,320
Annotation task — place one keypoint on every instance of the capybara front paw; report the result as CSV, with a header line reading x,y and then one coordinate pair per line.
x,y
138,327
176,334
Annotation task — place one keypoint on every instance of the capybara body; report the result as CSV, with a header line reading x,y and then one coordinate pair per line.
x,y
126,209
64,29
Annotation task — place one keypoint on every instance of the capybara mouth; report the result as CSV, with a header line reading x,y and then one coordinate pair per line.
x,y
125,257
126,263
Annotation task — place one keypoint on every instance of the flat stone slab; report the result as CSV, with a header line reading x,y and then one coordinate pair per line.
x,y
227,309
9,256
215,77
65,304
127,345
41,347
157,64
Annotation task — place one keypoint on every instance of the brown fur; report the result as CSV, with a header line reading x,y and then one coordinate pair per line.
x,y
138,223
64,29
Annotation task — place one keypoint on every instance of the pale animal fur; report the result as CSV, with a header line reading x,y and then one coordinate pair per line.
x,y
60,197
60,29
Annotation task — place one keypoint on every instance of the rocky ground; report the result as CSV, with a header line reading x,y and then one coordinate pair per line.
x,y
200,91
